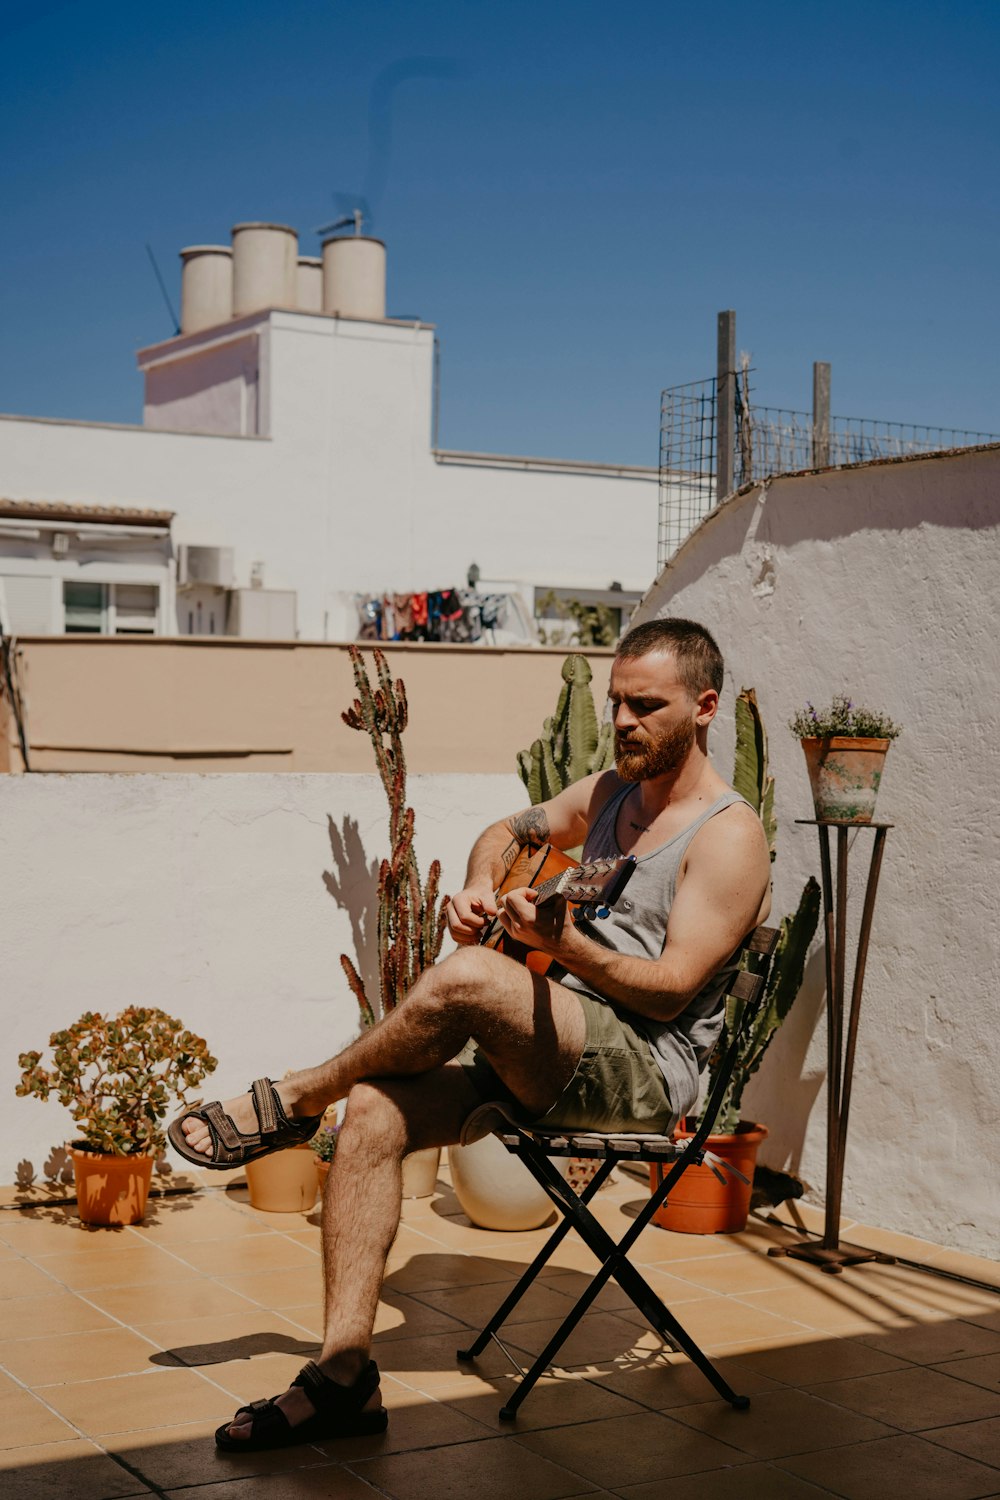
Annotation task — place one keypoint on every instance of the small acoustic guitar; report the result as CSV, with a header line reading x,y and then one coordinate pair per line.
x,y
593,887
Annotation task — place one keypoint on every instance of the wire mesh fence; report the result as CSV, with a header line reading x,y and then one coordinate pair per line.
x,y
767,441
785,442
687,462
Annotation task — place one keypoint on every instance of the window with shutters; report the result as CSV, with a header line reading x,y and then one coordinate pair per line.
x,y
111,608
86,608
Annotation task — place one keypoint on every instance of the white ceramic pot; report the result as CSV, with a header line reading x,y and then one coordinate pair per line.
x,y
496,1190
420,1171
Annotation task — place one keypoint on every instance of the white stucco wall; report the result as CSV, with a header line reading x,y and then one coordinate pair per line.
x,y
881,580
207,896
338,492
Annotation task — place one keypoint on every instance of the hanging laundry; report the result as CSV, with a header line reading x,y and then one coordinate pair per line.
x,y
402,605
449,605
493,611
369,617
388,631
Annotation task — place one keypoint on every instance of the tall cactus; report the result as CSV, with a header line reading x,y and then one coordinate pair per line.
x,y
410,925
572,743
751,777
753,780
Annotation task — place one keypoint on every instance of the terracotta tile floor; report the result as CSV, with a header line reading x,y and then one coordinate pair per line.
x,y
121,1351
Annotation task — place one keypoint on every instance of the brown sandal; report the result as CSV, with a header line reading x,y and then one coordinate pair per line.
x,y
230,1147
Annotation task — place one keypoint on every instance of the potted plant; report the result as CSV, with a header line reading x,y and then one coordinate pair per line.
x,y
700,1203
117,1076
410,913
324,1145
845,749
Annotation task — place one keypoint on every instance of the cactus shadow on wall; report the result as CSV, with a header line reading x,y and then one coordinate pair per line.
x,y
353,884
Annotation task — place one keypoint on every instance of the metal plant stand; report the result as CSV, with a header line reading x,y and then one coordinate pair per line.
x,y
827,1254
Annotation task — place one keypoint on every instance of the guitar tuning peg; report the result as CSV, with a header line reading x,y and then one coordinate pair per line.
x,y
589,913
603,912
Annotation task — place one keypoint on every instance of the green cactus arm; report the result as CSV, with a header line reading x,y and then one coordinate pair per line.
x,y
767,817
603,757
582,728
750,768
552,781
784,983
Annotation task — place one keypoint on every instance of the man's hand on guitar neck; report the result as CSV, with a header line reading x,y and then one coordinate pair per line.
x,y
469,912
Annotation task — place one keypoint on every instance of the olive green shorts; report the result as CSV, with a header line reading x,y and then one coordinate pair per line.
x,y
617,1084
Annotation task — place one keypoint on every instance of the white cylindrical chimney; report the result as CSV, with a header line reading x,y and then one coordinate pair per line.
x,y
265,267
354,277
206,287
310,284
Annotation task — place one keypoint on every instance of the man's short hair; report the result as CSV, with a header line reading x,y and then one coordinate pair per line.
x,y
699,660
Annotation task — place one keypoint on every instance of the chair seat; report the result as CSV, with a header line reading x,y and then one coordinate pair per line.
x,y
535,1146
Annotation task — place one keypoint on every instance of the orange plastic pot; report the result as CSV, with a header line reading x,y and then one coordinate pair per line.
x,y
700,1203
284,1182
844,776
110,1189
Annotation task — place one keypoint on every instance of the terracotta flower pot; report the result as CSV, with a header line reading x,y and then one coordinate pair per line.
x,y
844,774
110,1189
284,1182
700,1203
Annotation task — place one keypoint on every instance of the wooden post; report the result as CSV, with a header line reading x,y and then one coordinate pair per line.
x,y
725,406
821,415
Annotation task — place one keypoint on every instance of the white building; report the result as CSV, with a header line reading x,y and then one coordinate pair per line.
x,y
288,428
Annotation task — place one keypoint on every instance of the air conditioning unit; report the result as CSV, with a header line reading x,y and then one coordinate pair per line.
x,y
210,566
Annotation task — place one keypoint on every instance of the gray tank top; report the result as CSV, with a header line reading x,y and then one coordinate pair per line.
x,y
638,926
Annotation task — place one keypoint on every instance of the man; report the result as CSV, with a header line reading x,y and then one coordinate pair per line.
x,y
612,1037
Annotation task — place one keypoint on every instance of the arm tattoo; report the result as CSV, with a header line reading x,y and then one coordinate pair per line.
x,y
531,827
509,856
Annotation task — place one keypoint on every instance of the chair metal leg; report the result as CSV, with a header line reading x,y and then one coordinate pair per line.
x,y
520,1287
614,1265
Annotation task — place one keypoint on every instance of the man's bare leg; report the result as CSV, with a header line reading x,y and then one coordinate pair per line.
x,y
531,1029
361,1208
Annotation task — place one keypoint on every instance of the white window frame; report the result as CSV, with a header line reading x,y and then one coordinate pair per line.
x,y
109,612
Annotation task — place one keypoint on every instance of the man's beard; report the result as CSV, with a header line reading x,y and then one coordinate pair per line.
x,y
641,760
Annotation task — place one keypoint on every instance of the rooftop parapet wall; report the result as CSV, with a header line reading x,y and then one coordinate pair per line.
x,y
880,580
115,703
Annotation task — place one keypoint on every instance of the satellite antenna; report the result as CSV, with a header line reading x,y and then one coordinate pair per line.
x,y
356,218
163,289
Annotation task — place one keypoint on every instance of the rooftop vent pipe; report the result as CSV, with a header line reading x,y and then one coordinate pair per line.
x,y
354,277
206,287
265,267
310,284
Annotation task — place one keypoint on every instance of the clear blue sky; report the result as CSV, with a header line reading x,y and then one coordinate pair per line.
x,y
571,191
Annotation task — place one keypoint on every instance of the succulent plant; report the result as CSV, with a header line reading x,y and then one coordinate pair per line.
x,y
117,1076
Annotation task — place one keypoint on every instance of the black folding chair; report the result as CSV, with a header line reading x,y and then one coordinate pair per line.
x,y
670,1160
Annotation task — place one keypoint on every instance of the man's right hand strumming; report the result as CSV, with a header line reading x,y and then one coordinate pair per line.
x,y
469,912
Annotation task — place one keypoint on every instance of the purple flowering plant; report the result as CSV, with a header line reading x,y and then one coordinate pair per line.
x,y
324,1142
845,719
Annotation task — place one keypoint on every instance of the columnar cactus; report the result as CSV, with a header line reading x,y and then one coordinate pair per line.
x,y
572,743
410,923
753,780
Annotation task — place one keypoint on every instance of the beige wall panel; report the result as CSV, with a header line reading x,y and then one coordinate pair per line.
x,y
202,705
